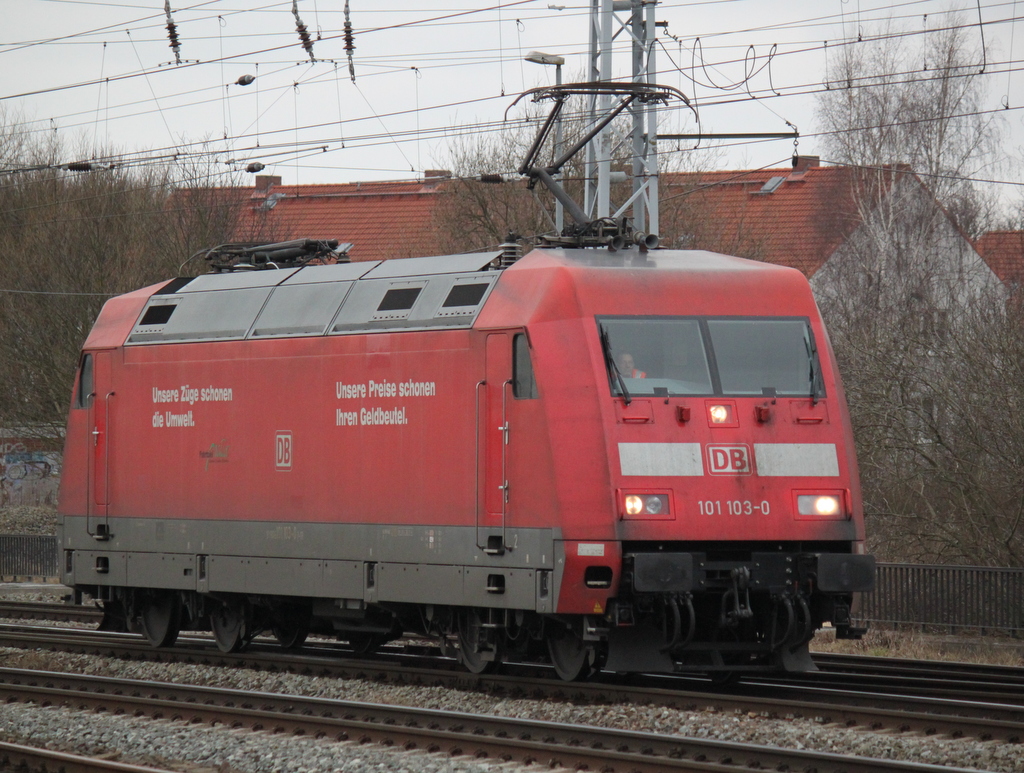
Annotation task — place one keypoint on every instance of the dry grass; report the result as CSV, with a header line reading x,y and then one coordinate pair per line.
x,y
964,647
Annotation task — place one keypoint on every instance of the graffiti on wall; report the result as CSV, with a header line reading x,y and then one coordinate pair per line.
x,y
28,477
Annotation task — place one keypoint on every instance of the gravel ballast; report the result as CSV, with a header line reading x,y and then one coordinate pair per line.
x,y
160,742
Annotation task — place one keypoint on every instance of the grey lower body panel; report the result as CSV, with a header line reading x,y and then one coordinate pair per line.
x,y
374,563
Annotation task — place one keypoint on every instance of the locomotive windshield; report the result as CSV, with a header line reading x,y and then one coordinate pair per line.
x,y
733,356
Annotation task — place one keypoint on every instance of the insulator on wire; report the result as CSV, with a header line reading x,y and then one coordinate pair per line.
x,y
172,33
350,45
304,36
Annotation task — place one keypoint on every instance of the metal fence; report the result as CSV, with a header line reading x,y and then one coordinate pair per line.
x,y
28,556
950,598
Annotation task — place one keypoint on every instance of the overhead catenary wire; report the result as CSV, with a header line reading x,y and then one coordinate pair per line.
x,y
790,93
389,137
781,54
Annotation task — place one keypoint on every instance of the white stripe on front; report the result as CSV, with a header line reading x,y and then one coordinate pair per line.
x,y
660,459
796,460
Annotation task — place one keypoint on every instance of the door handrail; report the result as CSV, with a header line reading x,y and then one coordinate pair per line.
x,y
478,461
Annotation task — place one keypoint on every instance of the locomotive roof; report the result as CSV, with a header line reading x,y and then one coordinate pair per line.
x,y
437,292
554,284
689,261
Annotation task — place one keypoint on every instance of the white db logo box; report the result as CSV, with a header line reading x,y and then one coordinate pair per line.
x,y
283,451
729,460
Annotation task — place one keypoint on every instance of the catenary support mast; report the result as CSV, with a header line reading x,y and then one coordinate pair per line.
x,y
611,22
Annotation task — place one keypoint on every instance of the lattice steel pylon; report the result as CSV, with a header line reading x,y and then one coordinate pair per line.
x,y
597,222
611,21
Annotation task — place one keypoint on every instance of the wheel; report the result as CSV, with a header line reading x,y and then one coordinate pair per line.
x,y
290,636
574,660
291,628
230,625
475,652
161,619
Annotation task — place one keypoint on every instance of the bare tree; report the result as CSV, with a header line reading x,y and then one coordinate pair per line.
x,y
488,199
205,206
888,102
919,324
936,412
69,241
924,339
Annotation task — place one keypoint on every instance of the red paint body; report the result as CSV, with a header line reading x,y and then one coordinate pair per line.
x,y
280,439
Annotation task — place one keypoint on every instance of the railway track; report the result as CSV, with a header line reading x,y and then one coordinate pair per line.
x,y
1005,678
29,759
937,681
970,682
967,680
48,610
819,702
441,732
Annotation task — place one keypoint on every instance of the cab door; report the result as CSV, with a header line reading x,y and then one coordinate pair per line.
x,y
99,438
493,432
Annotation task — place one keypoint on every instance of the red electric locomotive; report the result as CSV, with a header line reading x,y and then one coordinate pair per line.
x,y
640,461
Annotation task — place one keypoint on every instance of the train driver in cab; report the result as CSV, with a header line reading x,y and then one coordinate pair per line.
x,y
628,368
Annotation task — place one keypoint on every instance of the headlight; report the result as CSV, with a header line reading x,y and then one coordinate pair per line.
x,y
826,505
720,414
650,505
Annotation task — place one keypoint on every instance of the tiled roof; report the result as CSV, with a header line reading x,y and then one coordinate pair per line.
x,y
798,220
1004,253
381,219
808,213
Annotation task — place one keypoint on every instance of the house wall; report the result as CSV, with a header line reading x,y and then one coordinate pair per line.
x,y
906,250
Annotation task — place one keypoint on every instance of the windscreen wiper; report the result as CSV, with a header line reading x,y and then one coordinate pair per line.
x,y
811,351
613,369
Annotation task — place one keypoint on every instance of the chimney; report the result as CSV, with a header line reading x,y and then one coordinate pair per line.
x,y
443,173
264,182
802,163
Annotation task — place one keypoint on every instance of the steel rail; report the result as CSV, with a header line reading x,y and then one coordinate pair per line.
x,y
430,730
939,669
958,684
47,610
1005,678
29,758
983,720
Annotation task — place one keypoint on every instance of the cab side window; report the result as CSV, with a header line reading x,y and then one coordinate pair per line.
x,y
86,387
524,385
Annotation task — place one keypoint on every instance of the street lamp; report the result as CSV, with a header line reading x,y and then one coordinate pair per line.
x,y
539,57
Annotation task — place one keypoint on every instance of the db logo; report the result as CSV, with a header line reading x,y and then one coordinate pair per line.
x,y
729,460
283,451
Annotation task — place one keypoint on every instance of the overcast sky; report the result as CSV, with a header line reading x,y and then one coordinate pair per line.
x,y
102,75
